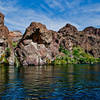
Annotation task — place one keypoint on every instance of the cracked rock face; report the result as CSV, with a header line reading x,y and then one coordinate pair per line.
x,y
1,19
3,35
37,45
88,39
15,36
5,41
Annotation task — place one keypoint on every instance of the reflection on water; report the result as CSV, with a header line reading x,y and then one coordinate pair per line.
x,y
71,82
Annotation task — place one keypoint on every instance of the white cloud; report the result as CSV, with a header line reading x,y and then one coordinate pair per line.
x,y
18,18
63,4
93,8
73,3
7,6
55,4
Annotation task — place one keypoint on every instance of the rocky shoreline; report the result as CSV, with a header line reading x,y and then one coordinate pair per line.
x,y
39,46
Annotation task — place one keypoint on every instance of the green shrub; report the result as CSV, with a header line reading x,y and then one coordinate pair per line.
x,y
16,62
77,55
3,59
7,52
58,62
14,44
65,51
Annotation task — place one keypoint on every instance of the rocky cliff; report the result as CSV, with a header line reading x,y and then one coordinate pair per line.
x,y
4,41
88,39
15,36
40,45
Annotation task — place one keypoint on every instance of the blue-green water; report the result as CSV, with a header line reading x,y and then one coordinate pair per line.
x,y
69,82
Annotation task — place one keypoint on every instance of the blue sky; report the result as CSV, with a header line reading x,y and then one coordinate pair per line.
x,y
53,13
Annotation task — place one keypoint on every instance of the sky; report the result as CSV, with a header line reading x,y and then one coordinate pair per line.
x,y
53,13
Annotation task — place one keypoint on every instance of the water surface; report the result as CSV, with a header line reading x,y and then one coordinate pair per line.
x,y
68,82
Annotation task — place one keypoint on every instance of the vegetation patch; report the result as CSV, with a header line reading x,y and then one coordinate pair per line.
x,y
14,44
76,56
4,57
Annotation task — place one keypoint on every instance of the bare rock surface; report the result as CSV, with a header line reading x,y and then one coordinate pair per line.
x,y
3,35
37,46
15,36
88,39
40,45
5,41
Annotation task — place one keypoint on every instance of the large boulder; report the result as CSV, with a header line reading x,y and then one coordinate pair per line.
x,y
37,46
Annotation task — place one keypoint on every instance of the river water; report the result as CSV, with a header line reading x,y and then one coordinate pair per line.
x,y
63,82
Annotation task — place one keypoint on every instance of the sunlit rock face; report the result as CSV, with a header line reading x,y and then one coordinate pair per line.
x,y
1,19
88,39
3,29
15,36
5,41
92,41
3,35
68,36
37,46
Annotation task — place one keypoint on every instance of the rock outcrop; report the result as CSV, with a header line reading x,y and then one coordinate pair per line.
x,y
15,36
68,36
88,39
3,35
40,45
5,41
37,46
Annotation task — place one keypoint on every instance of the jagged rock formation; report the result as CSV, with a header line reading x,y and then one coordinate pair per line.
x,y
3,35
1,19
14,37
88,39
5,41
37,46
68,36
